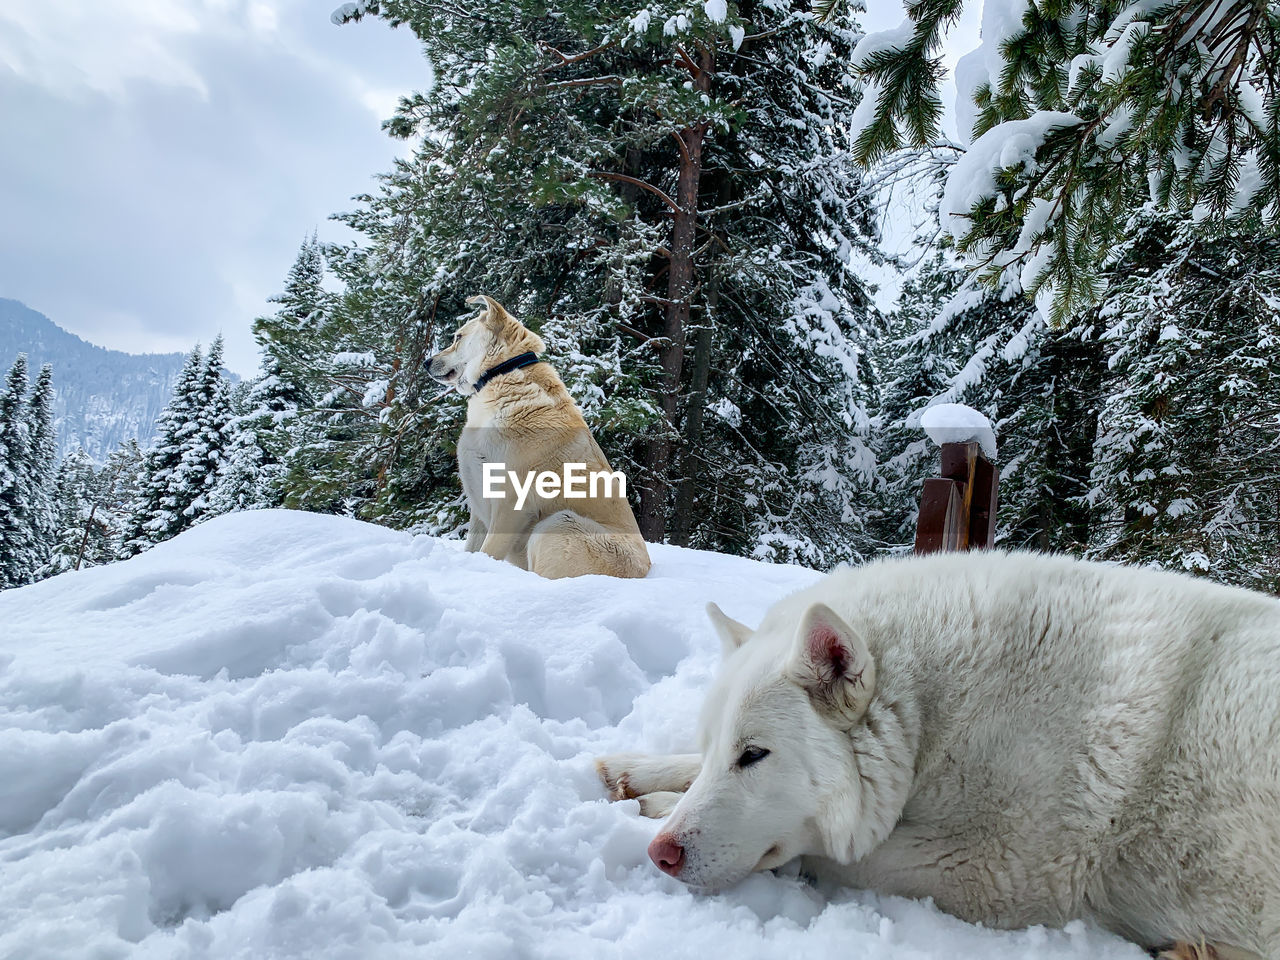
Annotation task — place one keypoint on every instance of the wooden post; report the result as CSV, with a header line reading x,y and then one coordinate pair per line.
x,y
938,527
982,511
958,509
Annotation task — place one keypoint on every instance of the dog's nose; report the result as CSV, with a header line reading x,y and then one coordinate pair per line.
x,y
666,854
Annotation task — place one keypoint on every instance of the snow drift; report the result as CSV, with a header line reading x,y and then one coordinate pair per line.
x,y
289,735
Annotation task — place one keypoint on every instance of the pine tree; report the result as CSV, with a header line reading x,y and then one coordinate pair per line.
x,y
42,468
302,437
203,458
267,428
28,527
1083,114
156,513
84,533
294,338
260,434
17,555
181,469
119,492
1185,471
671,200
343,440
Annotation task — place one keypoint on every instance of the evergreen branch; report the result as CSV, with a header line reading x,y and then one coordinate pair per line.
x,y
1218,93
432,6
728,207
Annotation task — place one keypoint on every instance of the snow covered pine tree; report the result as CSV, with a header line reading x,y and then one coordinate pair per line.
x,y
84,531
267,426
42,469
1185,468
1086,122
1082,113
181,467
28,464
669,195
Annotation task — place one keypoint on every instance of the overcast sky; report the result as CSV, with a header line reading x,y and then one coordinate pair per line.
x,y
163,159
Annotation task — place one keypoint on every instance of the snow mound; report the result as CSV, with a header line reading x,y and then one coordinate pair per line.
x,y
288,735
957,423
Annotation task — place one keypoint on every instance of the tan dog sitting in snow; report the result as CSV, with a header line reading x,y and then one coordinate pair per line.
x,y
541,492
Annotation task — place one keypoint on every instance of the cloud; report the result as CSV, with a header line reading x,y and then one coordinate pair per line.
x,y
73,48
165,158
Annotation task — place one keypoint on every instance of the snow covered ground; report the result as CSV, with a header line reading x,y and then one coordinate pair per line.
x,y
288,735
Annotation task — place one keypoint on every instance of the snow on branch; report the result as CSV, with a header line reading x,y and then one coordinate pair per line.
x,y
353,11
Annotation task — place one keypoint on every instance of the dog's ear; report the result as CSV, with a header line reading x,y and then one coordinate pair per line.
x,y
732,633
495,316
833,665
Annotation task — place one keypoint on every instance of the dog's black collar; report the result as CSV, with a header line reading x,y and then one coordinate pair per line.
x,y
506,366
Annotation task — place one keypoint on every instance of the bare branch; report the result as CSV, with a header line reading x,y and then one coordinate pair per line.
x,y
565,59
623,178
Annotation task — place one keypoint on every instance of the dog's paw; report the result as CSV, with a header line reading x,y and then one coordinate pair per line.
x,y
614,772
630,775
1185,950
658,806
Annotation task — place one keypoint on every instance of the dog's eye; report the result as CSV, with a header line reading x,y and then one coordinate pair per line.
x,y
752,755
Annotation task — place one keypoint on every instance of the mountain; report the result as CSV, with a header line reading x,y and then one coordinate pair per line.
x,y
102,397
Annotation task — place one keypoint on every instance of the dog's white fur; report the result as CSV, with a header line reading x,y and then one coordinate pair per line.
x,y
1026,739
527,420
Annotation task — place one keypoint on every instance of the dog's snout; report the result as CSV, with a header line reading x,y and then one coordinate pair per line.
x,y
667,855
438,367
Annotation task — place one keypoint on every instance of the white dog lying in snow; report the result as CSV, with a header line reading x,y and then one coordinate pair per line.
x,y
1026,739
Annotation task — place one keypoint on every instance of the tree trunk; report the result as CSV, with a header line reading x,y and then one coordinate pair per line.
x,y
696,407
84,541
388,398
690,462
680,284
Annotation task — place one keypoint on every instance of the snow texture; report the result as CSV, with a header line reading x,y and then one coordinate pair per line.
x,y
956,423
973,177
293,735
1001,21
864,114
882,41
970,73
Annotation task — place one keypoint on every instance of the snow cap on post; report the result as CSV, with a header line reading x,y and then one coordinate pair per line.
x,y
956,423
